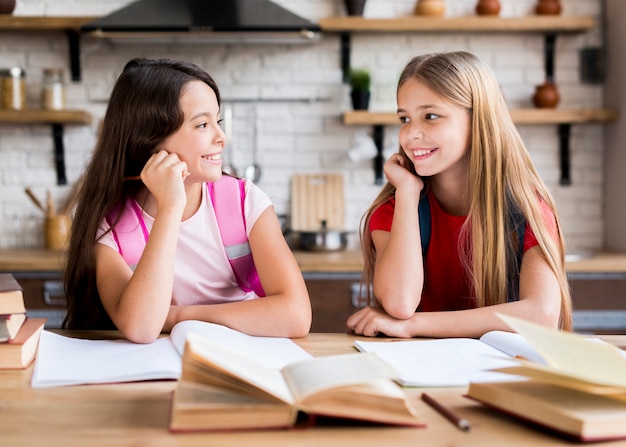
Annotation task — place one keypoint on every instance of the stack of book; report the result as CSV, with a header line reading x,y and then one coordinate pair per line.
x,y
579,391
19,335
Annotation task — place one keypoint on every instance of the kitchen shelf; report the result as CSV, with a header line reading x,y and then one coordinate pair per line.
x,y
549,25
36,116
70,25
539,24
564,118
56,118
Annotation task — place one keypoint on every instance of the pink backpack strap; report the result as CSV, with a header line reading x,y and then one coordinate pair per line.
x,y
129,232
227,196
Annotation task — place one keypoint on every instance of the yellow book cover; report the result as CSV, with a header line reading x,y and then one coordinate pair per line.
x,y
580,390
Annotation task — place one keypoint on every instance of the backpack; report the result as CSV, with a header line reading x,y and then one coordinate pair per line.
x,y
519,222
227,197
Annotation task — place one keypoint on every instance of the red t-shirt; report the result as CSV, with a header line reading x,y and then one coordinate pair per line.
x,y
446,285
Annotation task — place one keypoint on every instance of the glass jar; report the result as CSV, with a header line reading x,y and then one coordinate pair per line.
x,y
13,88
53,90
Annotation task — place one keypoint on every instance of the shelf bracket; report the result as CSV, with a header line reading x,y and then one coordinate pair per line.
x,y
59,153
550,43
379,161
345,56
564,153
73,40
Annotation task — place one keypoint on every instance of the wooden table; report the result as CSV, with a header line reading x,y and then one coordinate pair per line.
x,y
136,414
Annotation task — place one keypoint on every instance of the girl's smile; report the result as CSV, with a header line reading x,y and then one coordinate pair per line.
x,y
422,153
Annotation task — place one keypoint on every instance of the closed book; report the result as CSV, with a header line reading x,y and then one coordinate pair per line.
x,y
11,296
10,325
573,413
20,352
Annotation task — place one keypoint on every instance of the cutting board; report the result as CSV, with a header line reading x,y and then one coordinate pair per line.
x,y
317,197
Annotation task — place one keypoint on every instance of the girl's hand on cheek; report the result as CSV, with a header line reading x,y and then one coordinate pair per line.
x,y
164,175
398,174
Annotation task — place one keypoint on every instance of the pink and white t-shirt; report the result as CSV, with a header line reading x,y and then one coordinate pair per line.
x,y
202,273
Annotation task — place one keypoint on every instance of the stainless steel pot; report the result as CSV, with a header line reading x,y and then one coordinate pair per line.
x,y
323,239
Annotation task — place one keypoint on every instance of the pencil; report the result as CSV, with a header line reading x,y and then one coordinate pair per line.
x,y
138,177
460,422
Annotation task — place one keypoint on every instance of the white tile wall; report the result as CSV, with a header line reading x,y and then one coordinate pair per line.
x,y
300,136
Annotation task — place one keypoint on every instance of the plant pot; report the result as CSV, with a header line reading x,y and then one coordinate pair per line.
x,y
546,96
355,7
7,6
548,7
488,7
432,8
360,99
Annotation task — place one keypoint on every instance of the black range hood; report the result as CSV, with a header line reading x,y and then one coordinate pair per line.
x,y
237,20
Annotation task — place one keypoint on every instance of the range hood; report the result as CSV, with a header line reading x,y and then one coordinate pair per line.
x,y
252,21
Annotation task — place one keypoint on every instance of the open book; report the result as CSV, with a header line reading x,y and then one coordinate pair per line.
x,y
72,361
451,361
570,360
223,389
579,391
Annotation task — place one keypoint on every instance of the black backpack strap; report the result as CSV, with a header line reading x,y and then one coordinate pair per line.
x,y
423,211
519,226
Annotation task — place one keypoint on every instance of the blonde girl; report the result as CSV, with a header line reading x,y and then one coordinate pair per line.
x,y
460,151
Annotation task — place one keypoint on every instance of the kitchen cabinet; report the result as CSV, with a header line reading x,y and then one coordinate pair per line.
x,y
334,297
44,296
548,25
598,287
40,273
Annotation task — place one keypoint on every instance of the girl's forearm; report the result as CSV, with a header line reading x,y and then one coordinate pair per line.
x,y
476,322
144,304
399,273
272,316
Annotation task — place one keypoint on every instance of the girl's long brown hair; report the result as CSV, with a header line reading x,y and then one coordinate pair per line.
x,y
143,110
502,181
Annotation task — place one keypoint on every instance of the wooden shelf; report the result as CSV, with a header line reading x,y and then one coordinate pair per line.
x,y
520,116
55,118
548,25
26,23
33,116
70,25
540,24
556,116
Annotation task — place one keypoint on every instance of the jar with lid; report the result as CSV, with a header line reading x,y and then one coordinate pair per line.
x,y
13,88
52,90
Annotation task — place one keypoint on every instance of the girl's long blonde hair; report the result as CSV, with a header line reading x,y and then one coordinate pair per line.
x,y
502,182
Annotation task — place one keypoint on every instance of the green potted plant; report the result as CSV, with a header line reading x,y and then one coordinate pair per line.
x,y
360,81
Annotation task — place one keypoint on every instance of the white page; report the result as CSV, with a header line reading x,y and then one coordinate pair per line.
x,y
244,367
274,352
512,344
72,361
442,362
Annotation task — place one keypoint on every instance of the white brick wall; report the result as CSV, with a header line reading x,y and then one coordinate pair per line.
x,y
301,136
